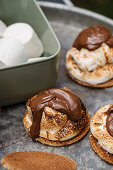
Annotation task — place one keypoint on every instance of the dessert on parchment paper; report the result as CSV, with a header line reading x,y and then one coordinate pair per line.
x,y
90,61
56,117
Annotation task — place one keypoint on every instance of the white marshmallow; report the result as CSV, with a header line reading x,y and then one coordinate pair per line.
x,y
25,33
2,27
12,51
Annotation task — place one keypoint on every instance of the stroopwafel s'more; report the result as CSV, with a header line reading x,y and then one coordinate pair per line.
x,y
56,117
90,61
101,136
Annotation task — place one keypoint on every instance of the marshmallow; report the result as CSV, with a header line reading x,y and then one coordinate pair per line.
x,y
89,60
12,51
2,27
97,76
51,128
26,35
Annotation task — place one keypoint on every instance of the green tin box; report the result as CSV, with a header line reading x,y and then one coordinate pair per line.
x,y
19,82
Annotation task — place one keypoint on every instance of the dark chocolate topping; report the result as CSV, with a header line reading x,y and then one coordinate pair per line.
x,y
93,37
61,99
109,121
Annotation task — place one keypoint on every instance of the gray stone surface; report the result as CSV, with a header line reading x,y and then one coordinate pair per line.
x,y
12,134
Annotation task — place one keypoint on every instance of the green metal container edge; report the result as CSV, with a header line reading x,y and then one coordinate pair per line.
x,y
42,59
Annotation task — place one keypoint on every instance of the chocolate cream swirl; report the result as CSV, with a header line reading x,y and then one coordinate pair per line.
x,y
93,37
60,99
109,121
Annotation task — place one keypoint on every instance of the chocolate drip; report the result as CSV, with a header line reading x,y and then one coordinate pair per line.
x,y
62,100
93,37
109,121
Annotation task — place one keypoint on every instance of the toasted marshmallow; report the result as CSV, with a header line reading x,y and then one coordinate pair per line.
x,y
12,52
88,60
2,27
26,35
99,131
97,76
54,125
108,53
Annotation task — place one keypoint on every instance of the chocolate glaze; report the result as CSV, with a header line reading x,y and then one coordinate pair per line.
x,y
60,99
93,37
109,121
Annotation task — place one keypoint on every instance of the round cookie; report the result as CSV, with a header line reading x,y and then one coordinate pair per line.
x,y
33,160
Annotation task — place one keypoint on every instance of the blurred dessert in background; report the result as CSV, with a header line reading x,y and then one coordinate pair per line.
x,y
90,61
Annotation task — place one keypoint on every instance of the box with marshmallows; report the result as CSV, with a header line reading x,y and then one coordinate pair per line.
x,y
22,44
28,51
